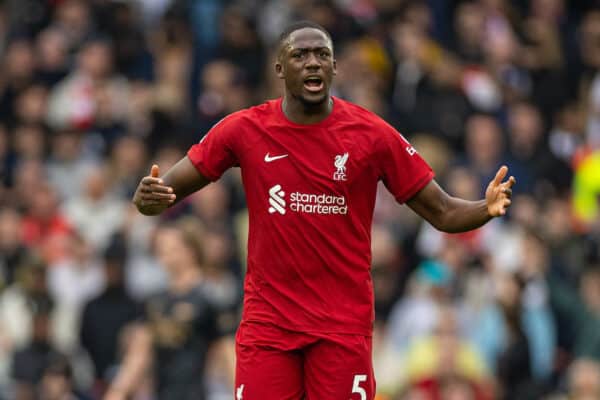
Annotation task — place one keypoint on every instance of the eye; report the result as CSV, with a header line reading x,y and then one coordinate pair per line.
x,y
324,54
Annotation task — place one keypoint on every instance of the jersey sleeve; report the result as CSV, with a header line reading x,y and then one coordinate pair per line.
x,y
403,171
216,152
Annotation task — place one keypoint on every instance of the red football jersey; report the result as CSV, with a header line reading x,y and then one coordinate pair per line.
x,y
310,191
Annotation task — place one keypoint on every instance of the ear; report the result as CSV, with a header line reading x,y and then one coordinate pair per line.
x,y
334,67
279,70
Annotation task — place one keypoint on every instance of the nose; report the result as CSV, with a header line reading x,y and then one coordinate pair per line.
x,y
312,61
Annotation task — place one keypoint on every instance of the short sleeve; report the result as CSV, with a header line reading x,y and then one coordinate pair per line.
x,y
401,168
215,153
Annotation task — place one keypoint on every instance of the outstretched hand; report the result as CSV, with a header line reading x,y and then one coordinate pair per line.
x,y
152,196
498,194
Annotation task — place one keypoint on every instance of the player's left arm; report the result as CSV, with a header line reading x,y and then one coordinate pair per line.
x,y
452,214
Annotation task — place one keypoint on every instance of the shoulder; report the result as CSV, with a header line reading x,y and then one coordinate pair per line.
x,y
357,113
246,117
252,113
365,123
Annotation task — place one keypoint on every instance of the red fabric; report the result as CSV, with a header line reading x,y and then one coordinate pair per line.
x,y
309,250
50,237
36,231
275,364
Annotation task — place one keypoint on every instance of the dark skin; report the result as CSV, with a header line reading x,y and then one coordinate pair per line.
x,y
308,53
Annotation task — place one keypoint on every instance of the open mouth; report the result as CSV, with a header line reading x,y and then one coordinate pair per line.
x,y
313,84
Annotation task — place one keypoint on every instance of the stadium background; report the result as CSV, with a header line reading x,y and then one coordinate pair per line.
x,y
92,92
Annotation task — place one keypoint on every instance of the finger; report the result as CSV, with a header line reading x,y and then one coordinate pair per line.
x,y
156,188
149,180
145,203
500,174
154,171
507,191
157,196
511,181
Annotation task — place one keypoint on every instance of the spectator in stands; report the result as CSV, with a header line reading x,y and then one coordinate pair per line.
x,y
105,316
30,361
97,212
181,325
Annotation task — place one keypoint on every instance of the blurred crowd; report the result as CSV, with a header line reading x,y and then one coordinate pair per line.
x,y
93,92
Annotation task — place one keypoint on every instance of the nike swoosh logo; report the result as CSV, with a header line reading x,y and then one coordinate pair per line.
x,y
273,158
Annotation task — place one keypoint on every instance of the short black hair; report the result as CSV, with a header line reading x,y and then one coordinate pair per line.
x,y
293,27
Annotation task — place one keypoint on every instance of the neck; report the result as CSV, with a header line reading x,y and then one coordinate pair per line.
x,y
300,112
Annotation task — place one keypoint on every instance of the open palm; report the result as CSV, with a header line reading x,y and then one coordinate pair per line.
x,y
498,193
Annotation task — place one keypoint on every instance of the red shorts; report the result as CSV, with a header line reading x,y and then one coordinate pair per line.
x,y
277,364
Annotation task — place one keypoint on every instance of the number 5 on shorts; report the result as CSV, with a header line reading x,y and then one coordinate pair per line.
x,y
356,386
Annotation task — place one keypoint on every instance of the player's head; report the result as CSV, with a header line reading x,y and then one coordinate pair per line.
x,y
305,62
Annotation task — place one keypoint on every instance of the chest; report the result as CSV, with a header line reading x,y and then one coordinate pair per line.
x,y
317,158
175,321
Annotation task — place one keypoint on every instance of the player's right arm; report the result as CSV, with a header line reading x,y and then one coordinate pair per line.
x,y
155,194
205,162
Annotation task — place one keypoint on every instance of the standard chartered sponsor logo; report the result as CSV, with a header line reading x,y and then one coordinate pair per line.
x,y
306,202
276,200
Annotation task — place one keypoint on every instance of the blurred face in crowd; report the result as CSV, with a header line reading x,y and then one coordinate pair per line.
x,y
129,155
52,49
55,386
43,205
73,16
237,30
95,59
469,23
556,220
27,177
174,251
31,104
420,15
10,229
408,41
66,146
500,46
535,256
525,210
307,66
19,60
29,141
462,183
484,141
96,184
525,126
224,89
590,39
